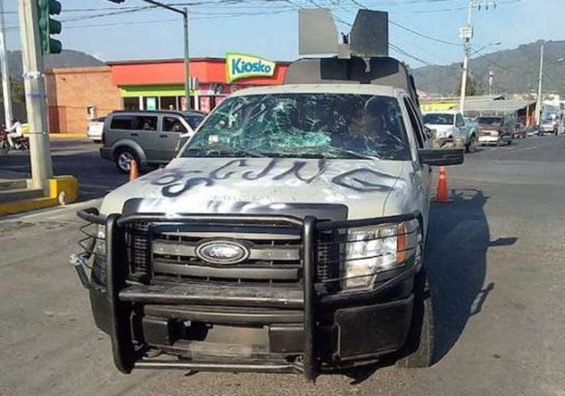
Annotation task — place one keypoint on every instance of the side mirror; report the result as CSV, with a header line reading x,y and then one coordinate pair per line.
x,y
441,157
429,132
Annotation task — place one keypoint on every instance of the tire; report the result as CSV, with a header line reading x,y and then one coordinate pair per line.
x,y
123,157
471,146
419,349
4,147
509,142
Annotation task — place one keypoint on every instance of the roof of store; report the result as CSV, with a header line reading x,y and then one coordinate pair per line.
x,y
175,60
509,105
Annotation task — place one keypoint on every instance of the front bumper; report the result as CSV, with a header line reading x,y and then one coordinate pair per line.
x,y
490,139
254,329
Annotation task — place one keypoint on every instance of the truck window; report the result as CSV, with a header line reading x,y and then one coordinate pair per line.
x,y
122,122
418,132
146,123
459,121
173,124
305,125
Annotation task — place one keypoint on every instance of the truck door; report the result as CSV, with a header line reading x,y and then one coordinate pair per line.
x,y
170,135
422,173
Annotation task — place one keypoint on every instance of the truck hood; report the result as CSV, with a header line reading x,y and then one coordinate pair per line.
x,y
228,185
443,131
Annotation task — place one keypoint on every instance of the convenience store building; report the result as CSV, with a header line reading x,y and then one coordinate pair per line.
x,y
77,95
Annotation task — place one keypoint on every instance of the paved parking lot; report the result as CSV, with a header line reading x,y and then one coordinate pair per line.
x,y
495,258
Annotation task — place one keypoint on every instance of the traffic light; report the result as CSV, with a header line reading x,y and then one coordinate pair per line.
x,y
48,26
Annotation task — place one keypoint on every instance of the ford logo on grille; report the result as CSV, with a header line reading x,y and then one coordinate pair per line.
x,y
222,252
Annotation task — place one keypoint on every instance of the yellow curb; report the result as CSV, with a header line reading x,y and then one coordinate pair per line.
x,y
67,136
63,190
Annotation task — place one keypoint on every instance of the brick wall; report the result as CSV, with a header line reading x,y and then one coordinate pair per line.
x,y
71,90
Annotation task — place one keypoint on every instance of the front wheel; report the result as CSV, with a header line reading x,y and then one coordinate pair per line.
x,y
419,349
123,158
471,146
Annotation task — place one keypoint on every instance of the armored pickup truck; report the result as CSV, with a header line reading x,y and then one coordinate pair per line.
x,y
286,236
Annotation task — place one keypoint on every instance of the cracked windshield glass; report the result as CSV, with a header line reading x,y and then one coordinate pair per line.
x,y
346,126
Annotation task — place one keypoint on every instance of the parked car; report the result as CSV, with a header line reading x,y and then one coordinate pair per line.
x,y
519,131
495,129
94,129
148,137
547,127
278,239
450,129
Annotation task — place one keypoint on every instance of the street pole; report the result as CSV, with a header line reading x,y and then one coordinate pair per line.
x,y
186,59
540,85
184,13
490,82
467,34
5,72
32,59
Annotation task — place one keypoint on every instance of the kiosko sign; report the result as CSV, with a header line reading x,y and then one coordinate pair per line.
x,y
239,66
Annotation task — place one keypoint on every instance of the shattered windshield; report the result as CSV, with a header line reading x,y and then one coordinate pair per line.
x,y
438,119
303,126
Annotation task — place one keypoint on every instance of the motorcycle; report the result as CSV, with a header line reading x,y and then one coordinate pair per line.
x,y
20,143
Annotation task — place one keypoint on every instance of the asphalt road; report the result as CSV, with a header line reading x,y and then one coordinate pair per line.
x,y
495,258
78,158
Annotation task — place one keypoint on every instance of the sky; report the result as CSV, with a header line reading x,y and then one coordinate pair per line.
x,y
269,28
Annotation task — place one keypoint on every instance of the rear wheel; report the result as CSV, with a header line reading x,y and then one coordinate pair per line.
x,y
4,146
419,349
123,158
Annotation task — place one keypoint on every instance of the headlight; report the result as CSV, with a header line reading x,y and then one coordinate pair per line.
x,y
99,264
100,245
370,250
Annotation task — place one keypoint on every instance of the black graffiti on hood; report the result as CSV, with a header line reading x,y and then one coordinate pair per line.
x,y
175,183
361,180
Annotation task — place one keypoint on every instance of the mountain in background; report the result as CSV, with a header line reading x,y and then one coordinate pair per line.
x,y
67,58
515,71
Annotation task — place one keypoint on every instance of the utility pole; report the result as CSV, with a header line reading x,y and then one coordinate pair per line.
x,y
490,82
5,71
540,85
186,59
466,33
32,59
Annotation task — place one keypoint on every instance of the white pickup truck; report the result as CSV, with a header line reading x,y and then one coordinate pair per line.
x,y
450,128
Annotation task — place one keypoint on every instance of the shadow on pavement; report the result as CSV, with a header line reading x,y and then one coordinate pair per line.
x,y
456,261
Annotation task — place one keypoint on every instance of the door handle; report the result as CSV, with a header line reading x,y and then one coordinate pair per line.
x,y
134,134
163,135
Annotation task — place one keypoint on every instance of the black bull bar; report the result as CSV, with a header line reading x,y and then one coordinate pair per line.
x,y
126,357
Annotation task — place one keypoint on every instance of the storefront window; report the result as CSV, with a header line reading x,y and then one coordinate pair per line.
x,y
169,103
150,103
131,104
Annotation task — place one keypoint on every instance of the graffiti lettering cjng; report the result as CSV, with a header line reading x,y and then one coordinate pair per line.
x,y
175,183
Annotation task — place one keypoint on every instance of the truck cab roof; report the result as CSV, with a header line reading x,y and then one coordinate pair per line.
x,y
365,89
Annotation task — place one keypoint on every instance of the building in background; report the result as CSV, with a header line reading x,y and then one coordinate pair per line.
x,y
77,95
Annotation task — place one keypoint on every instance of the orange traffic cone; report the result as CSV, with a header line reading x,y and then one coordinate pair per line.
x,y
133,170
442,195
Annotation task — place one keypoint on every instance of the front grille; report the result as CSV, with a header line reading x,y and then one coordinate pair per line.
x,y
165,252
137,243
